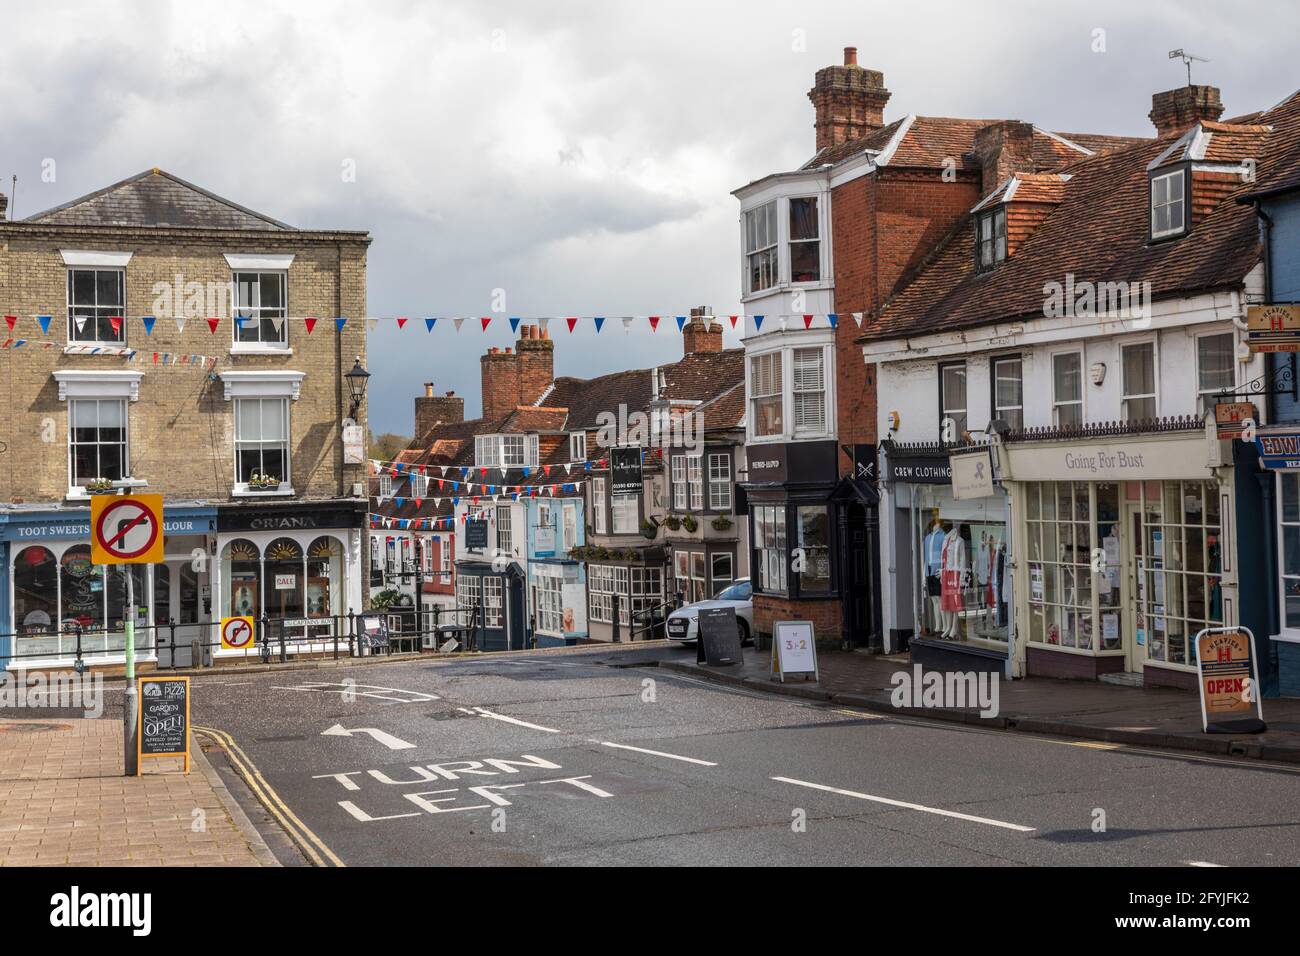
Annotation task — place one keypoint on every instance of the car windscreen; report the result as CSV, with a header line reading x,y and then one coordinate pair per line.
x,y
737,592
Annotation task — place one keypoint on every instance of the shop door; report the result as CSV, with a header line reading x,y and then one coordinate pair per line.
x,y
1133,584
186,604
859,572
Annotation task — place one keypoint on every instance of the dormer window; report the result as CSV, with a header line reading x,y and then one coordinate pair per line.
x,y
990,239
505,451
1169,204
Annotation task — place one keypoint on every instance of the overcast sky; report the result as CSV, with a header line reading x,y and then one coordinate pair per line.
x,y
578,155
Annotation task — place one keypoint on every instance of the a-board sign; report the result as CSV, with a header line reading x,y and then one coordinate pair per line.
x,y
164,719
718,643
237,633
1229,680
794,649
126,529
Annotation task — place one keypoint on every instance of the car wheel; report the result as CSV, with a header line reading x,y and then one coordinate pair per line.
x,y
744,631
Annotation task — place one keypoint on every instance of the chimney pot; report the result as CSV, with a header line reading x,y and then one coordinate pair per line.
x,y
848,100
850,56
428,390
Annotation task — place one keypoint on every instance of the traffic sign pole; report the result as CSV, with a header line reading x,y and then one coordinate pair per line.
x,y
130,753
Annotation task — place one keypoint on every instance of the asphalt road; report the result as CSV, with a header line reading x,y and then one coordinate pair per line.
x,y
577,758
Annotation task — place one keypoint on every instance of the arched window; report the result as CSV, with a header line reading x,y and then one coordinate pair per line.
x,y
82,587
324,577
36,591
284,579
242,568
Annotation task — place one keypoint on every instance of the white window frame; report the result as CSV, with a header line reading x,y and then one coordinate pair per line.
x,y
385,485
625,514
719,481
598,504
256,313
493,601
1125,396
1286,632
1201,391
994,362
714,578
125,444
678,480
505,530
769,249
286,480
513,450
816,241
550,602
1180,202
467,594
695,481
577,446
946,412
110,310
1083,391
772,378
796,391
99,385
570,527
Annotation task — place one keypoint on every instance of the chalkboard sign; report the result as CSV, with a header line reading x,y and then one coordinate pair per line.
x,y
164,719
719,640
476,535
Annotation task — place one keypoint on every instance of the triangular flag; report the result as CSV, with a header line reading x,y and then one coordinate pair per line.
x,y
372,323
857,317
544,324
401,321
485,320
12,320
733,320
599,320
458,323
514,323
833,319
627,322
81,322
114,320
681,322
146,320
310,323
180,323
339,322
571,321
654,323
807,321
428,324
758,322
213,322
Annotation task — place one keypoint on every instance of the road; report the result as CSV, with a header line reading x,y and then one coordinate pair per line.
x,y
577,758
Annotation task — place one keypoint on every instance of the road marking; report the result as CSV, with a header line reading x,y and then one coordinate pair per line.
x,y
1203,863
862,715
383,737
907,806
482,712
298,831
658,753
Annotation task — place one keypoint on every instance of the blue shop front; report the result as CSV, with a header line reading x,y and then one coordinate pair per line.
x,y
56,604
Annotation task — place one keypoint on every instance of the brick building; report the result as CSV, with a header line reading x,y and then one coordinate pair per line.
x,y
125,364
835,237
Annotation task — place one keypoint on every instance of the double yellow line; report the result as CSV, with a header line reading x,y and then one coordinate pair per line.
x,y
310,844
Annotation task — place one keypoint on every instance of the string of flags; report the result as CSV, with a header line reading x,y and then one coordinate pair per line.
x,y
148,322
491,492
400,469
131,355
378,521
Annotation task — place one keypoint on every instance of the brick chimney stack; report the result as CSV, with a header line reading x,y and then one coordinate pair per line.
x,y
4,205
1002,149
517,376
701,333
432,410
849,101
1174,111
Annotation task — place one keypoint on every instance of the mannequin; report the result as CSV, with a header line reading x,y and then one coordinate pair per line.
x,y
953,578
932,550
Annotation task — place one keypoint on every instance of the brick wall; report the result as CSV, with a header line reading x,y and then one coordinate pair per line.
x,y
181,429
824,613
519,375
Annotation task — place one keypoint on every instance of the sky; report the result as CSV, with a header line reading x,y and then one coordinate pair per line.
x,y
579,156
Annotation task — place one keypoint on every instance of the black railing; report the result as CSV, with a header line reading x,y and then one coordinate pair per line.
x,y
1145,426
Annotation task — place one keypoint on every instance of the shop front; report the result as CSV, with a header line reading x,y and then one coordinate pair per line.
x,y
53,600
1125,552
297,566
947,543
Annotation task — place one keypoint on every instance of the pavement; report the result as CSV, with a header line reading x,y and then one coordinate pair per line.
x,y
614,756
64,801
1155,717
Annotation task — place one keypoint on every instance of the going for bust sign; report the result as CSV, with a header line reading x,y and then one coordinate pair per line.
x,y
1230,699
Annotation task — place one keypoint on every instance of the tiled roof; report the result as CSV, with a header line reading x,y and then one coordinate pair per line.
x,y
156,198
726,411
1098,233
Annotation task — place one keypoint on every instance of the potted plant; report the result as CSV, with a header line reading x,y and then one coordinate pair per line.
x,y
260,482
689,523
630,554
601,554
721,523
649,529
673,522
99,486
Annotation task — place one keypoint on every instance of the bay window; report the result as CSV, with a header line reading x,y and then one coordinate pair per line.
x,y
809,391
770,553
805,247
761,248
765,395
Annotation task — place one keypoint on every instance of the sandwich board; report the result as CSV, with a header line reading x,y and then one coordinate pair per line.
x,y
794,650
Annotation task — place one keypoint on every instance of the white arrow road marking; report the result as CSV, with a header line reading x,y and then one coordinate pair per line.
x,y
1202,863
383,737
906,806
658,753
482,712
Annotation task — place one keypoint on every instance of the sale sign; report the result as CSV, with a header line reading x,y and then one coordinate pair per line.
x,y
1230,698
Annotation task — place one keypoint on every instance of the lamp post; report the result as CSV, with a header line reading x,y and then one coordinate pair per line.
x,y
357,380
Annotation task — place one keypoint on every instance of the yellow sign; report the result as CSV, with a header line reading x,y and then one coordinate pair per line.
x,y
1273,328
126,529
1229,681
237,633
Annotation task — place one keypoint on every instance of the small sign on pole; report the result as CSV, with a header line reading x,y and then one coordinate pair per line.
x,y
237,633
794,650
1229,681
164,721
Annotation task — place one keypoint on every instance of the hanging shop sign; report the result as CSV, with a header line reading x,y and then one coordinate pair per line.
x,y
476,535
918,469
794,650
354,445
1230,418
971,474
164,719
625,471
1273,328
1279,447
1229,681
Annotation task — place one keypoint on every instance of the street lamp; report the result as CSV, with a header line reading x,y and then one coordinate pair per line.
x,y
357,380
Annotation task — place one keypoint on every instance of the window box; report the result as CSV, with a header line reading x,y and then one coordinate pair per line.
x,y
672,522
649,530
689,523
721,523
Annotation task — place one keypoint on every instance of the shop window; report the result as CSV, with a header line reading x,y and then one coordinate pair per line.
x,y
1067,389
600,590
97,306
1138,365
1215,365
260,309
1059,525
952,401
242,569
467,598
550,604
162,593
36,591
188,598
646,590
805,255
1289,547
760,247
815,545
723,573
765,396
1009,392
97,442
283,574
699,577
1180,568
770,551
324,577
492,596
964,577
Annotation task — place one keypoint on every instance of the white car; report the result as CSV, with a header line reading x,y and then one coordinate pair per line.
x,y
683,623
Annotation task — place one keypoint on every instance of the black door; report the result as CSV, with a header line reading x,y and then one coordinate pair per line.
x,y
860,601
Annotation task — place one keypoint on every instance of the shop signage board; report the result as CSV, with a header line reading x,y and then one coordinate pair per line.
x,y
1230,418
544,543
1229,681
476,535
237,633
794,650
1118,459
918,469
126,529
625,471
1279,447
1273,328
719,637
164,719
354,445
971,474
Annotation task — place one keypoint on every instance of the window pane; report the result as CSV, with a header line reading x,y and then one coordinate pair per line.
x,y
1214,360
1067,377
803,218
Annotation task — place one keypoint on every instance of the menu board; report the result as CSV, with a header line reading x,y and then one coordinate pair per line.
x,y
164,719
